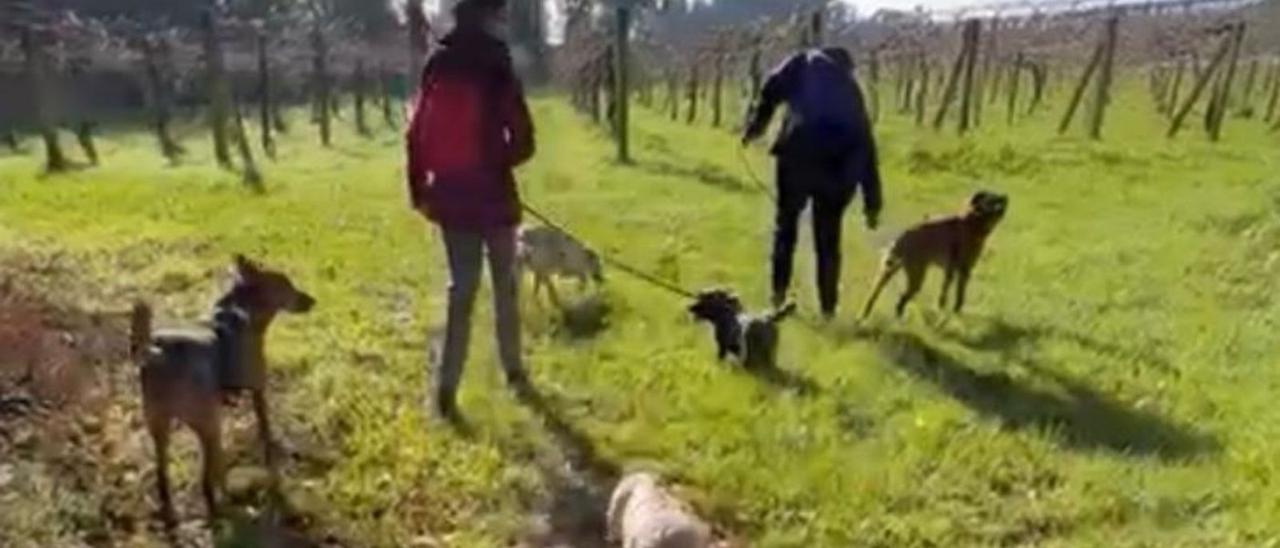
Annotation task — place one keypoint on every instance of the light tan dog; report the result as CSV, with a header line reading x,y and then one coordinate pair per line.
x,y
953,243
643,515
549,253
187,374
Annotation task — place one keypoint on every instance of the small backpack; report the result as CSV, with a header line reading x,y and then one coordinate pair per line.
x,y
824,104
453,124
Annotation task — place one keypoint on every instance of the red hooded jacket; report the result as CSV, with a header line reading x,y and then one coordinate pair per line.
x,y
462,178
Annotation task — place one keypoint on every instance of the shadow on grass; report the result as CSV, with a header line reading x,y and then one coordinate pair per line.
x,y
1076,416
581,490
704,173
585,318
783,379
1006,338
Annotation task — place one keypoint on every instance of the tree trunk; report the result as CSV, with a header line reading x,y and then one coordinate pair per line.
x,y
153,61
251,176
219,90
360,83
264,96
384,91
419,41
324,103
622,91
1102,93
692,112
673,95
84,135
38,74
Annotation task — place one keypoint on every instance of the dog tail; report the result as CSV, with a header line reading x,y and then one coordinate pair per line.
x,y
782,312
140,331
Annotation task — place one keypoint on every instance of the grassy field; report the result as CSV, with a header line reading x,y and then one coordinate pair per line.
x,y
1112,383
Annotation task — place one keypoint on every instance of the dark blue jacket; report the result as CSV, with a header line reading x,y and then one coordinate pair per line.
x,y
795,143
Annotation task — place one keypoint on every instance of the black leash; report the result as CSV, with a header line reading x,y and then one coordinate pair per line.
x,y
635,272
759,183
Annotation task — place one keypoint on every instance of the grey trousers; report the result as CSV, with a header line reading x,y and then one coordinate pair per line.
x,y
466,252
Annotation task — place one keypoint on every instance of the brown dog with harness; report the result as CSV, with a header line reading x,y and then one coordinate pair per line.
x,y
187,374
954,243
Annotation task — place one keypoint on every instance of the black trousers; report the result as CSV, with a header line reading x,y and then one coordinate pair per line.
x,y
824,184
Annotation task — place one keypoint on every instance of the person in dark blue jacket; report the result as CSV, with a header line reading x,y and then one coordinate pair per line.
x,y
825,153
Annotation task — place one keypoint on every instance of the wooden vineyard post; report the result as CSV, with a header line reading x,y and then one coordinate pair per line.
x,y
922,96
991,66
874,85
622,83
320,67
1224,90
953,83
1246,100
1039,81
360,81
717,83
219,90
972,31
1102,92
264,95
1014,80
691,114
1078,94
1175,88
1202,81
1275,92
673,95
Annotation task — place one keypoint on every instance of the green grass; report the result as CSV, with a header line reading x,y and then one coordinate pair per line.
x,y
1111,384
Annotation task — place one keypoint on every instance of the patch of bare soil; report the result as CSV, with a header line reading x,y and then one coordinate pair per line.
x,y
76,465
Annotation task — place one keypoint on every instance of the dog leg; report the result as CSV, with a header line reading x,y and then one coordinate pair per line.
x,y
264,433
946,285
915,280
551,291
886,273
158,427
210,435
962,287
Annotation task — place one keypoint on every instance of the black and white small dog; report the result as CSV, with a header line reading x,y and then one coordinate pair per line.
x,y
751,339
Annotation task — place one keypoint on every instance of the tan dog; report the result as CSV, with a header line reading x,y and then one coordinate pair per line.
x,y
550,253
954,243
187,373
643,515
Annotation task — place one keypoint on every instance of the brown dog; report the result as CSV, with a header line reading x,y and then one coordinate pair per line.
x,y
187,373
954,243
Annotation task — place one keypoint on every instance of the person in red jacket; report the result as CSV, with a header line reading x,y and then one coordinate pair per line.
x,y
469,129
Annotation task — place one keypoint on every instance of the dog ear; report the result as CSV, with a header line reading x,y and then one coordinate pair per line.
x,y
244,267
